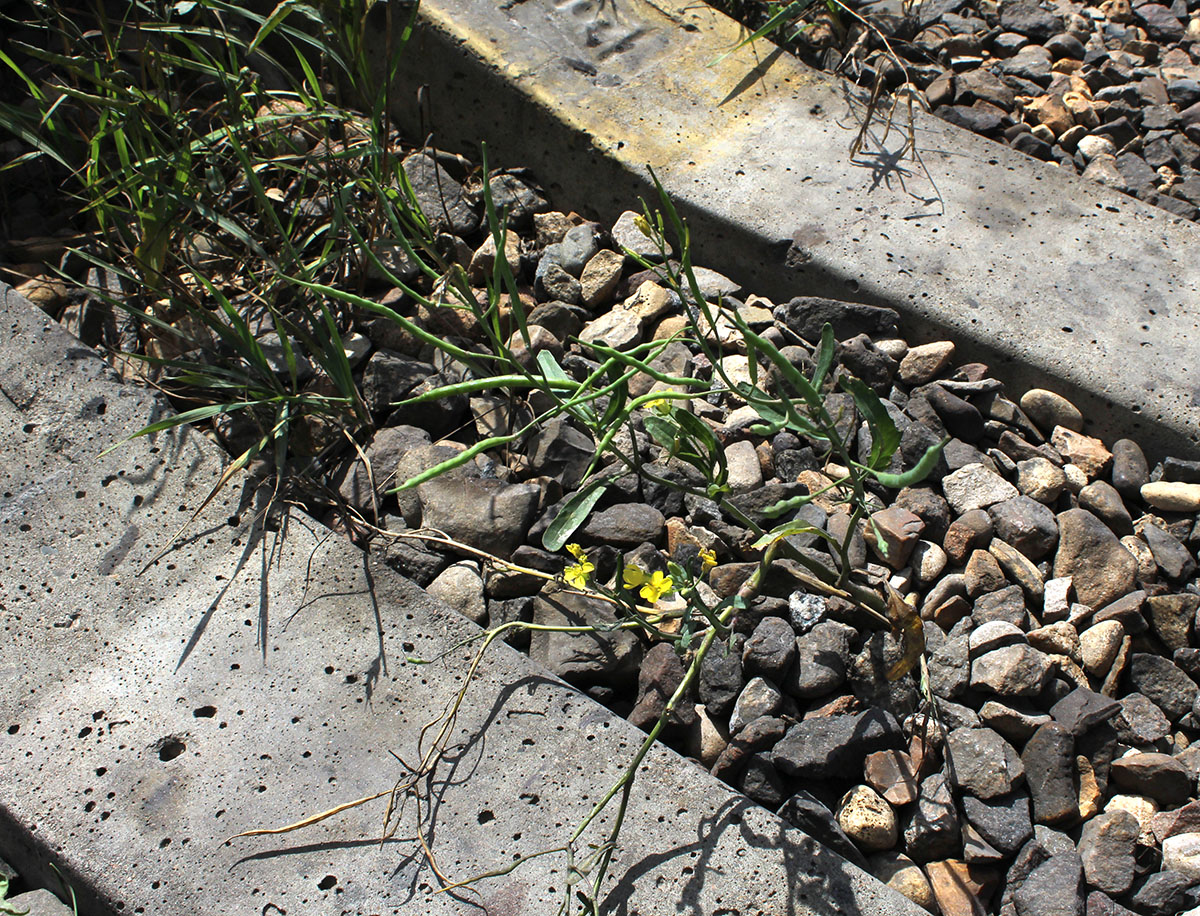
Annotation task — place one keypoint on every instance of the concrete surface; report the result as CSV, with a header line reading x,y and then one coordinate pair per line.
x,y
1053,280
250,680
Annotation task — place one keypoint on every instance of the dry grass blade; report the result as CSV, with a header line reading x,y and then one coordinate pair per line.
x,y
314,819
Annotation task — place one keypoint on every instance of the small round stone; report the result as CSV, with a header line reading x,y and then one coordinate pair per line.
x,y
1172,496
1049,410
1181,853
902,874
1099,645
867,819
1039,478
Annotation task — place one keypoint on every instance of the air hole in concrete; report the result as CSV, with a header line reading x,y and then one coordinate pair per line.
x,y
329,669
485,816
233,521
13,729
328,882
28,427
100,771
530,797
170,748
351,678
204,712
85,731
137,501
164,842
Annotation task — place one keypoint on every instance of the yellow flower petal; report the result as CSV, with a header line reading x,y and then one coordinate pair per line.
x,y
576,551
657,586
633,577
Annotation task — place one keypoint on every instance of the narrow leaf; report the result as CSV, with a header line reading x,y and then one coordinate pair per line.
x,y
573,514
916,473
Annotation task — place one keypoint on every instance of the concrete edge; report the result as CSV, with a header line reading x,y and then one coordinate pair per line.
x,y
1054,281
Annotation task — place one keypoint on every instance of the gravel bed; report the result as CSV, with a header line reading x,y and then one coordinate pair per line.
x,y
1110,90
1055,575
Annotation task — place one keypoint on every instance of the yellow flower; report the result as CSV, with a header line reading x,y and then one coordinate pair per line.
x,y
661,406
577,573
643,226
708,559
652,587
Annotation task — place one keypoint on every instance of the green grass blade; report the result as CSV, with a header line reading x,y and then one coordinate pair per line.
x,y
782,18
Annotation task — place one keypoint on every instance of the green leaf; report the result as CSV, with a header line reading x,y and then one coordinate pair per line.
x,y
188,416
573,514
824,356
277,16
661,430
786,505
699,431
916,473
788,14
885,438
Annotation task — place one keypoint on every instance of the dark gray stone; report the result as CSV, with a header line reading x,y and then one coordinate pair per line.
x,y
1082,709
1129,468
1172,557
933,830
832,746
761,782
806,315
389,377
770,650
486,514
821,660
721,677
1026,524
1003,822
517,197
1106,846
1165,893
659,676
625,525
1104,501
1160,680
1049,759
1159,776
1172,617
1159,22
443,200
950,669
982,763
1140,723
1054,888
1006,604
562,451
583,659
1027,17
1012,671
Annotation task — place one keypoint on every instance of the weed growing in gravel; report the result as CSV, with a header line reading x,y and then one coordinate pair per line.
x,y
673,606
227,199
